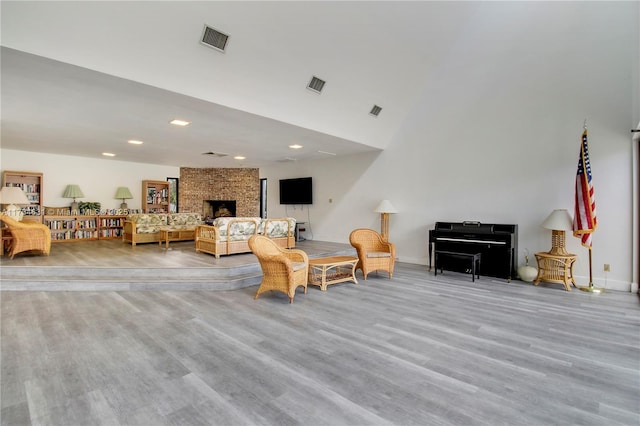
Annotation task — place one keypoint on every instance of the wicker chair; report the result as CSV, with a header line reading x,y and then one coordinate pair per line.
x,y
283,270
374,254
27,236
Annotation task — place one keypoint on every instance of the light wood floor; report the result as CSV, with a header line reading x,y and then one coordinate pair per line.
x,y
115,253
415,350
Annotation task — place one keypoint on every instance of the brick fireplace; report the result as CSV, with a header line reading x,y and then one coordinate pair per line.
x,y
199,185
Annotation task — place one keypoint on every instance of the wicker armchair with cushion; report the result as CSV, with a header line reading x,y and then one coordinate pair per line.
x,y
374,254
27,236
283,270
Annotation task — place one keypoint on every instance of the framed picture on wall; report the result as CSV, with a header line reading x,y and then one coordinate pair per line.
x,y
151,194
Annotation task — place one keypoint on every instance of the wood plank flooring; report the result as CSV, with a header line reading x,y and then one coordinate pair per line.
x,y
415,350
181,254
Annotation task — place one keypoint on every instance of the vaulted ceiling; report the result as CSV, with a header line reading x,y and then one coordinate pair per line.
x,y
82,78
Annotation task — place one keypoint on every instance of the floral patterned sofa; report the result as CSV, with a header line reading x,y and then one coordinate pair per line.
x,y
229,235
145,227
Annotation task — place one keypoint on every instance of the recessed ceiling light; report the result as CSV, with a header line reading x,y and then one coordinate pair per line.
x,y
239,157
295,146
180,122
135,142
108,154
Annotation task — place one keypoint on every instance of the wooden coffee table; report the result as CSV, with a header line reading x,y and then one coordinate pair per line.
x,y
167,235
331,270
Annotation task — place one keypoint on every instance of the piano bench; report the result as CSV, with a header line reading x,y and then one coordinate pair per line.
x,y
473,257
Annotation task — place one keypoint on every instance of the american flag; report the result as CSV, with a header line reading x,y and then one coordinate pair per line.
x,y
584,219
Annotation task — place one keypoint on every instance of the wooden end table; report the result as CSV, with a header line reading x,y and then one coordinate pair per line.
x,y
331,270
168,235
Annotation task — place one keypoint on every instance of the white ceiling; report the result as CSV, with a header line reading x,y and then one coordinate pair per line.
x,y
107,72
81,78
50,106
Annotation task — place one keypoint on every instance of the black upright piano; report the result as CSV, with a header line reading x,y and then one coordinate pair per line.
x,y
498,245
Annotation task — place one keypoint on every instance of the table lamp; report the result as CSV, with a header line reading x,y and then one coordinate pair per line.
x,y
13,195
558,221
123,193
385,208
73,191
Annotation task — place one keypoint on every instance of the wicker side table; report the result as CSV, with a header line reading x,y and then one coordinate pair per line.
x,y
331,270
556,268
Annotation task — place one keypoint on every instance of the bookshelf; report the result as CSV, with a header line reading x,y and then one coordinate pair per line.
x,y
72,228
84,227
111,226
155,196
31,184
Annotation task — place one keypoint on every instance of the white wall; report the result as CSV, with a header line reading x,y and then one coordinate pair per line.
x,y
496,138
635,156
97,178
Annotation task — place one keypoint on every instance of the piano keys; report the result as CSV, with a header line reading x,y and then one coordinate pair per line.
x,y
497,243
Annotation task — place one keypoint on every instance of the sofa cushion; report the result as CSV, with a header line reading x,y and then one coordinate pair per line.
x,y
146,220
233,238
240,226
277,228
192,219
144,229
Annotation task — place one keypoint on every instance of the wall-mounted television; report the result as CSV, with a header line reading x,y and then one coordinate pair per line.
x,y
296,191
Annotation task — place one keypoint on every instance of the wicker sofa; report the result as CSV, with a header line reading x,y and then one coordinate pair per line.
x,y
229,235
145,227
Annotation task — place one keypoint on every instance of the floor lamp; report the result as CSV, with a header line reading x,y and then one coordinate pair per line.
x,y
385,208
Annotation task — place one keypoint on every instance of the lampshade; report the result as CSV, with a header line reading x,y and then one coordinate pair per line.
x,y
385,206
13,195
123,193
558,220
72,191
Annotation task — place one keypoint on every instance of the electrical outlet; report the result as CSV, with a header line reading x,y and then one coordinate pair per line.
x,y
607,267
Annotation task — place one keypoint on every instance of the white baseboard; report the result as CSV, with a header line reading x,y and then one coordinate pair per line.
x,y
609,284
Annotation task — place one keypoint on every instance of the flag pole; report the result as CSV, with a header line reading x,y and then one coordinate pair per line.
x,y
590,288
590,270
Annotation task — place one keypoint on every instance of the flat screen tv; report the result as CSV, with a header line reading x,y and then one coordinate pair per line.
x,y
296,191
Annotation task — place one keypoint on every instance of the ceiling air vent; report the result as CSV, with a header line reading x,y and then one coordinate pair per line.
x,y
316,84
286,159
214,38
214,154
375,110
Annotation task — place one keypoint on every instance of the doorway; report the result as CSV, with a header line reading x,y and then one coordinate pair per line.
x,y
263,198
173,191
